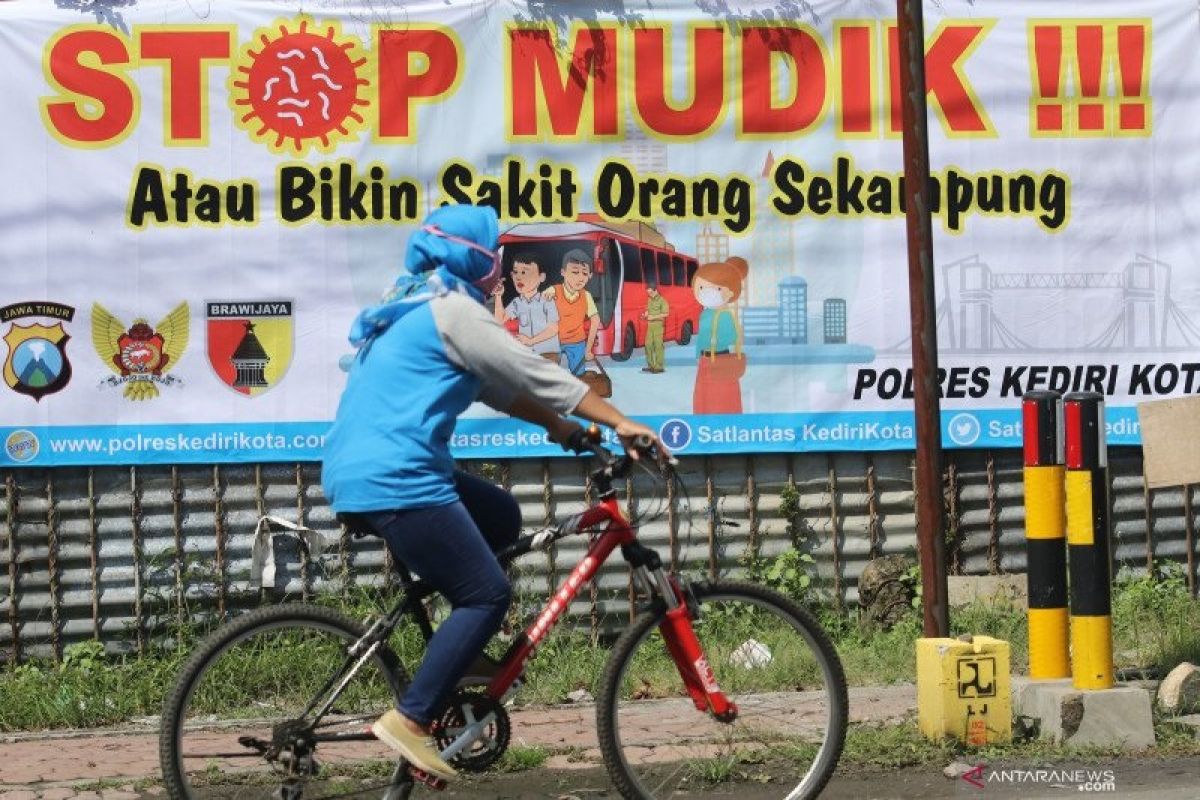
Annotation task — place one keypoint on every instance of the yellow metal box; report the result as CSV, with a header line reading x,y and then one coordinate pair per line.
x,y
963,690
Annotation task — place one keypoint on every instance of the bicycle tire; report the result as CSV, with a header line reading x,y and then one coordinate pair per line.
x,y
640,632
291,616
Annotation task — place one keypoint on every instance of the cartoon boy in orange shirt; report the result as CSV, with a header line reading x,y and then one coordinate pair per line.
x,y
578,319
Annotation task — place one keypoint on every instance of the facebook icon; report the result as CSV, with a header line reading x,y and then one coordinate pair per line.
x,y
675,434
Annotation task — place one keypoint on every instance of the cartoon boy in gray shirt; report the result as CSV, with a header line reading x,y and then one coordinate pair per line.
x,y
536,316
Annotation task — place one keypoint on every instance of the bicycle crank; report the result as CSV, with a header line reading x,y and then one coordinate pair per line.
x,y
475,729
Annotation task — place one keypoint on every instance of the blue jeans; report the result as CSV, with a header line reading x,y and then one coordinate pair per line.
x,y
576,353
452,548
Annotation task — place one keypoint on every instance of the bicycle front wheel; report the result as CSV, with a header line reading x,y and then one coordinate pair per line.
x,y
770,657
241,720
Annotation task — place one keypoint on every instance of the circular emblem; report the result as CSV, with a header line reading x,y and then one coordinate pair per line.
x,y
141,356
964,429
22,445
299,88
675,434
37,362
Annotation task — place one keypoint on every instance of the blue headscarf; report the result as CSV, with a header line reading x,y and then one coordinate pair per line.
x,y
435,266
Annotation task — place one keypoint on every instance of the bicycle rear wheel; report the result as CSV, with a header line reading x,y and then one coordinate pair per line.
x,y
245,690
769,656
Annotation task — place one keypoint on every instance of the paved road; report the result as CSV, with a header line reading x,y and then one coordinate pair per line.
x,y
1139,779
51,766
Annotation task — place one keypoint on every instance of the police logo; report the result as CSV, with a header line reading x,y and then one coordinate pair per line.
x,y
249,343
36,364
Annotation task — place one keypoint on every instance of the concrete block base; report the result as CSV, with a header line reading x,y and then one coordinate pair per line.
x,y
1117,717
1008,590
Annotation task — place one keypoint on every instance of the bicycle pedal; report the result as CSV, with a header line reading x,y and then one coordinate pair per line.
x,y
421,776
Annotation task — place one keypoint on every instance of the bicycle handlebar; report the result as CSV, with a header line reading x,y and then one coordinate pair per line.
x,y
582,441
587,440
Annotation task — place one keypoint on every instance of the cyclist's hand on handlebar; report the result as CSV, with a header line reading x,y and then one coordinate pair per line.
x,y
563,432
637,439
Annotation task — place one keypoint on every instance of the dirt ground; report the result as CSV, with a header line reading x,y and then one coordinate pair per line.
x,y
1172,779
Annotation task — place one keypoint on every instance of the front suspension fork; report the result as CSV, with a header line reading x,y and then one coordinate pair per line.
x,y
685,649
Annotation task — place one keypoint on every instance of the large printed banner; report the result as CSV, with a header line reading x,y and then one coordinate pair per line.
x,y
701,204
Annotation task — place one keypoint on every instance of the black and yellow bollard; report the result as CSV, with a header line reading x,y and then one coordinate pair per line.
x,y
1045,535
1088,541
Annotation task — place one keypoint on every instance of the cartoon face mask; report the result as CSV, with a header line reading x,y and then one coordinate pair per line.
x,y
710,297
488,282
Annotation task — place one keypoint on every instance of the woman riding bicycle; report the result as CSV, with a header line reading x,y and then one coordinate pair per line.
x,y
426,352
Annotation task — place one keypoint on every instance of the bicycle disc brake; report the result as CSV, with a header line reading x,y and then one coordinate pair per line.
x,y
465,709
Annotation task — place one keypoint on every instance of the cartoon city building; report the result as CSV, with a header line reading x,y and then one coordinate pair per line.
x,y
712,245
772,247
835,321
250,361
641,152
760,324
793,309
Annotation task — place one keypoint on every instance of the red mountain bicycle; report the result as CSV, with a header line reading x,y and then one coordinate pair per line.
x,y
712,681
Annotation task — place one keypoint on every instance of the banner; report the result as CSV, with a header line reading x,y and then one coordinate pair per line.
x,y
702,213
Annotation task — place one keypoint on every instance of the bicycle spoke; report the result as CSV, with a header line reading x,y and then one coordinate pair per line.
x,y
236,726
788,691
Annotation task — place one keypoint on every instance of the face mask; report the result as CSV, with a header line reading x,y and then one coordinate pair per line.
x,y
710,297
488,282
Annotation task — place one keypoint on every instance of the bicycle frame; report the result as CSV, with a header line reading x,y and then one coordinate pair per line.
x,y
676,628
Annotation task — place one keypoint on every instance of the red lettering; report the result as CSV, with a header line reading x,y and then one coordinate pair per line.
x,y
1132,60
99,104
1089,54
895,105
946,82
855,56
1048,79
806,60
707,90
961,112
185,53
592,67
415,65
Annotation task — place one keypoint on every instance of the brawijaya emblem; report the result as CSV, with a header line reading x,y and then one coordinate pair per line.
x,y
140,355
249,343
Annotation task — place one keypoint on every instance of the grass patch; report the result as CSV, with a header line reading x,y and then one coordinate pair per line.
x,y
40,695
903,745
520,758
720,769
892,746
1156,624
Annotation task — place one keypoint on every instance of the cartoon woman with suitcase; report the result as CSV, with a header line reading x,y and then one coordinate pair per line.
x,y
721,364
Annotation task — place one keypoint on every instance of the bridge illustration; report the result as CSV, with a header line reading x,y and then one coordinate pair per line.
x,y
975,302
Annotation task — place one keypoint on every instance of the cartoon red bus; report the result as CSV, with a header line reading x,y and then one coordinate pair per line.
x,y
627,256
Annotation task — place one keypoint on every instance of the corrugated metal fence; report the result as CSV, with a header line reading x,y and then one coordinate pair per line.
x,y
119,553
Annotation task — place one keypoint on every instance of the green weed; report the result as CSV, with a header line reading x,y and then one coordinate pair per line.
x,y
1156,622
521,758
719,769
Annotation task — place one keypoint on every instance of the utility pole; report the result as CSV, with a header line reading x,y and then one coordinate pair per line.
x,y
922,309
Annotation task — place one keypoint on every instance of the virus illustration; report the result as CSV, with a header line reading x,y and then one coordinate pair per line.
x,y
299,89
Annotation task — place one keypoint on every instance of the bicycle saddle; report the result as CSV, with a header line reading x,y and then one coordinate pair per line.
x,y
356,525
